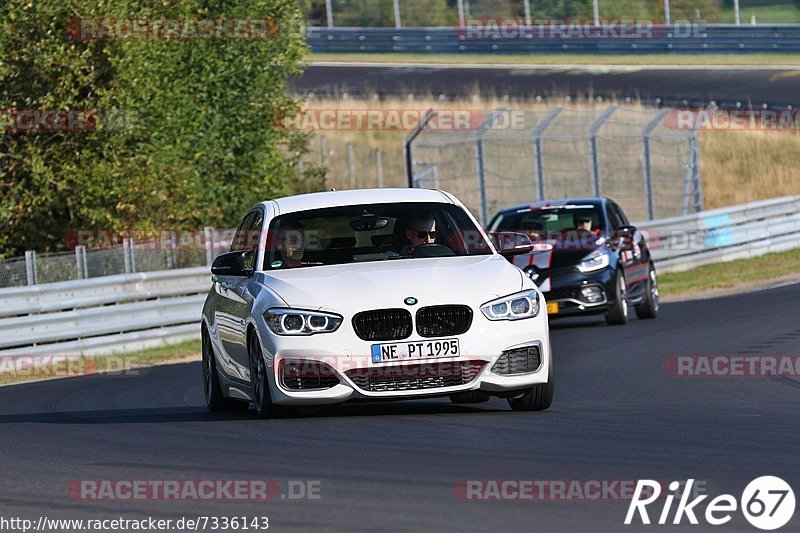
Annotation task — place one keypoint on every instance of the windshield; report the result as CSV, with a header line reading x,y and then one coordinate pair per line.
x,y
551,223
370,232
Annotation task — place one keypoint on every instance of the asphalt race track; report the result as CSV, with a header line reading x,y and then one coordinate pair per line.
x,y
617,415
698,86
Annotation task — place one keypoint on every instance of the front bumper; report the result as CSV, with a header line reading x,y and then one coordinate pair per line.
x,y
346,358
564,287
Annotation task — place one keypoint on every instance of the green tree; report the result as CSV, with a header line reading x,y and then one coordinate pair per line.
x,y
197,146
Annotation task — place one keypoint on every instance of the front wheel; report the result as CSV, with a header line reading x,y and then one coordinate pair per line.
x,y
259,380
618,314
537,398
212,389
649,306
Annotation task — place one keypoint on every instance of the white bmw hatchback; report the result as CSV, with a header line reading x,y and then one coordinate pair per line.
x,y
372,294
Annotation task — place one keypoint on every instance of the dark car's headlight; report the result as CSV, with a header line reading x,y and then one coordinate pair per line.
x,y
515,306
596,260
297,322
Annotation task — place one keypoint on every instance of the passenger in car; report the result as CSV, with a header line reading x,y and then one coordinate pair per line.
x,y
290,244
420,230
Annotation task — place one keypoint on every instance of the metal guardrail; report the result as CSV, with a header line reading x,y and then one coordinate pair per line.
x,y
133,311
684,39
719,235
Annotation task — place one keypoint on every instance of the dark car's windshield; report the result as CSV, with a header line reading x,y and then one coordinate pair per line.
x,y
371,232
543,223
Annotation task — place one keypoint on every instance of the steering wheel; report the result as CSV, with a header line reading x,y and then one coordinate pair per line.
x,y
432,250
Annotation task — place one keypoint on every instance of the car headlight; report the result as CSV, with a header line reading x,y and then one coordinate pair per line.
x,y
596,260
516,306
297,322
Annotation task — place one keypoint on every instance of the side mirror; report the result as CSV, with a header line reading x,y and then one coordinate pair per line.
x,y
509,244
624,236
230,264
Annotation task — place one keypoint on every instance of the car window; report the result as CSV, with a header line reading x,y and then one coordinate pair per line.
x,y
374,232
541,222
620,214
251,239
614,218
240,238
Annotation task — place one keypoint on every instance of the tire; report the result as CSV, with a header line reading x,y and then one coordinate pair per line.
x,y
618,314
259,381
538,398
212,389
649,306
470,396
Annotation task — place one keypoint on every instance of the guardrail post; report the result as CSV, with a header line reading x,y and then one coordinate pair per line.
x,y
351,165
30,267
646,164
537,148
208,235
379,167
593,142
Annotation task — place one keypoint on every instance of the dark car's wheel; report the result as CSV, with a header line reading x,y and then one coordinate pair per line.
x,y
470,396
538,398
649,306
259,380
618,314
212,389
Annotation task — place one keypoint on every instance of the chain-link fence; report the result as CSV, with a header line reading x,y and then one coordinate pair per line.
x,y
641,158
172,250
356,166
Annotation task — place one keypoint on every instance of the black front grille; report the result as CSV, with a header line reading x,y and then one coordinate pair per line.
x,y
383,324
443,320
307,375
518,361
415,377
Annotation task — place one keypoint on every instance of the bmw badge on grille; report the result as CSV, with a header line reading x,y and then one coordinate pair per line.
x,y
410,301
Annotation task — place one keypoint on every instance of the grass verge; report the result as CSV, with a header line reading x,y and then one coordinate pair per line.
x,y
568,59
727,275
63,366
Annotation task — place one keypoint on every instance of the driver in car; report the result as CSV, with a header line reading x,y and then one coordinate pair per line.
x,y
420,230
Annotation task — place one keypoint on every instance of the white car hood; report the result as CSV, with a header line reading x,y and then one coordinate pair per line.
x,y
354,287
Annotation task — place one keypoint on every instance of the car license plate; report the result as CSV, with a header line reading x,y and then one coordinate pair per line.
x,y
386,353
552,308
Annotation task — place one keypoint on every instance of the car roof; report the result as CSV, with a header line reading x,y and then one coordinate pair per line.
x,y
555,203
321,200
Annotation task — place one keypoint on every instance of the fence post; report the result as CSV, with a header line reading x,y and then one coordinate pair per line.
x,y
351,166
407,156
379,167
397,23
208,234
127,255
537,148
693,179
30,267
481,166
329,12
85,262
323,146
172,260
646,163
78,265
593,141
